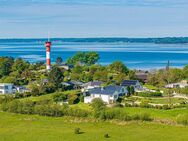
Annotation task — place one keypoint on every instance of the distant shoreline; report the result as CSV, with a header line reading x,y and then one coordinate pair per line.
x,y
161,40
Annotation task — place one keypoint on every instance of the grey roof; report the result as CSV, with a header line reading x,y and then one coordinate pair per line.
x,y
129,82
109,90
92,83
69,83
76,83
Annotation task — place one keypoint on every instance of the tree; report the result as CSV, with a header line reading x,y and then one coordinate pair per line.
x,y
55,76
101,76
84,58
20,65
132,90
59,97
59,61
185,71
118,67
5,65
98,104
119,78
91,58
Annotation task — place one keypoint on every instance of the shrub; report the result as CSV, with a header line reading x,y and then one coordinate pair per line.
x,y
106,136
27,107
97,104
166,107
14,106
82,98
144,103
150,94
44,102
73,99
49,110
114,114
145,117
59,97
142,117
75,112
182,119
77,130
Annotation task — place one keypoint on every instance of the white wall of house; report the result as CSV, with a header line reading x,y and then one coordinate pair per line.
x,y
106,98
138,86
85,89
6,88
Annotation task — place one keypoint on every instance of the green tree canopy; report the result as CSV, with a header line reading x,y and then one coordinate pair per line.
x,y
20,65
86,58
5,65
118,67
56,76
59,60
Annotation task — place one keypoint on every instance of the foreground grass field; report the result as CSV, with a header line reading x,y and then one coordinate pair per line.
x,y
15,127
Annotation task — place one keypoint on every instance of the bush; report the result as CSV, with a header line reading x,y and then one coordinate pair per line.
x,y
27,107
82,98
97,104
77,130
144,103
75,112
182,119
49,110
73,99
145,117
142,117
14,106
114,114
150,94
59,97
106,136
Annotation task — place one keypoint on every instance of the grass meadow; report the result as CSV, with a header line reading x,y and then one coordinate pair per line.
x,y
15,127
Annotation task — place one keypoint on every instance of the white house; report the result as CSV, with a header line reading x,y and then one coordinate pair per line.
x,y
6,88
133,83
181,84
91,85
20,89
108,94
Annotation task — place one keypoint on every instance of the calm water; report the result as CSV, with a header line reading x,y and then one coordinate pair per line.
x,y
134,55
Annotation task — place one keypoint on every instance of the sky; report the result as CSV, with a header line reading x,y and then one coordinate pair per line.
x,y
93,18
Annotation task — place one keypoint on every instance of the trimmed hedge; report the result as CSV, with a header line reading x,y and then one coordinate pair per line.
x,y
150,94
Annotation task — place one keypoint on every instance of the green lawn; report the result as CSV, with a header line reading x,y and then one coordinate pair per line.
x,y
165,100
151,87
158,114
15,127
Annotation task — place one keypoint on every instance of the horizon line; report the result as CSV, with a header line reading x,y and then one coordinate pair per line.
x,y
95,37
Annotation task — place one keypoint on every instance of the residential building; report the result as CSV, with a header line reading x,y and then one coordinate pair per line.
x,y
108,94
72,85
20,89
143,77
66,66
91,85
132,83
6,88
181,84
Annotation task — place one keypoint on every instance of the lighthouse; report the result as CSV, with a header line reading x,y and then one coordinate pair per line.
x,y
48,60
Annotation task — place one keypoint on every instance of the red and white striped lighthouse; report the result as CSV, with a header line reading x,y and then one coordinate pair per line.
x,y
48,60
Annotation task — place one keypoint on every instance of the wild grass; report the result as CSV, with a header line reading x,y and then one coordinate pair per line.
x,y
14,127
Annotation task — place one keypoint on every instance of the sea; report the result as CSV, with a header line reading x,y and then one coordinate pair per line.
x,y
143,56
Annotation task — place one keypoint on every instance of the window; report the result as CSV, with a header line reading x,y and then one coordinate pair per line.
x,y
1,92
6,87
1,87
115,96
123,90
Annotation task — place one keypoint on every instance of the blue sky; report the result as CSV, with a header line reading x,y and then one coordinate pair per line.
x,y
93,18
